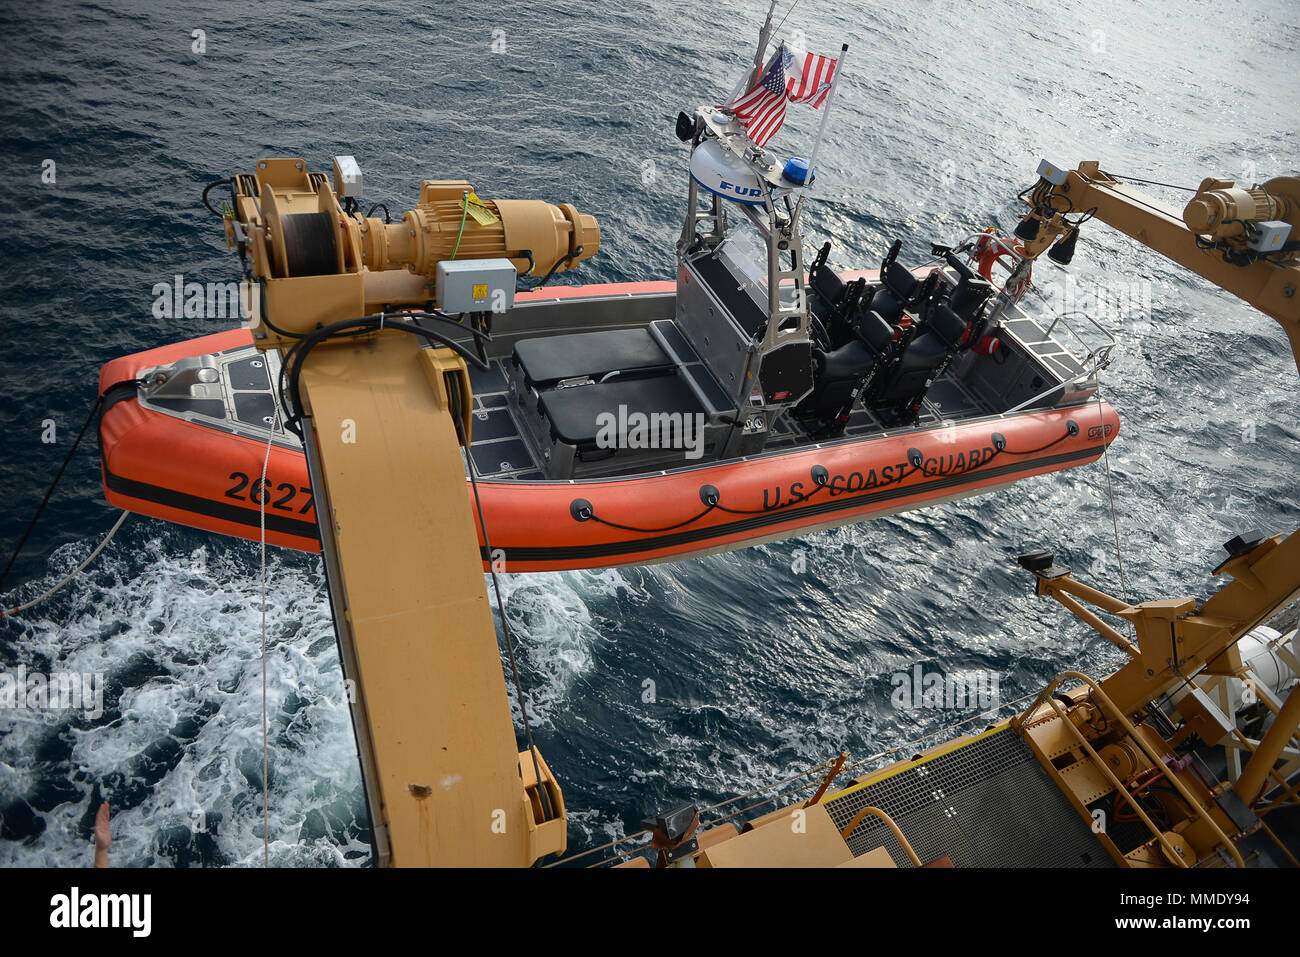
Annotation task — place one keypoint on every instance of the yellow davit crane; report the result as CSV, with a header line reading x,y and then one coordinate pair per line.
x,y
352,305
1246,241
1241,240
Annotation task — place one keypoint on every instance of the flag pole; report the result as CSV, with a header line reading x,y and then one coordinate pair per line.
x,y
751,76
826,115
764,35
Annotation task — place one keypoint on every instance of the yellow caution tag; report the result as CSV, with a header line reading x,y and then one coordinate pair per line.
x,y
480,291
482,215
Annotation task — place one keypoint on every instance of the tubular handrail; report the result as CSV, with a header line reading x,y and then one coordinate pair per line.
x,y
1059,387
1157,761
1002,242
889,821
970,240
1100,352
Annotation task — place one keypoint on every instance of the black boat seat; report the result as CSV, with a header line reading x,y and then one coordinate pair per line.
x,y
972,289
888,305
575,413
872,329
846,363
969,296
843,371
827,284
947,325
923,357
900,279
898,285
630,353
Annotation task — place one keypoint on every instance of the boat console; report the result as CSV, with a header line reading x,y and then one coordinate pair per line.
x,y
734,357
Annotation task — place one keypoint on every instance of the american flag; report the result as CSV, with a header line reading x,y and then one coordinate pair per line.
x,y
762,107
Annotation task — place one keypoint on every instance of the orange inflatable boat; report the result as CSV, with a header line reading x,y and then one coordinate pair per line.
x,y
185,428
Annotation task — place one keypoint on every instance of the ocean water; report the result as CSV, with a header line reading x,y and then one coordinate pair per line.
x,y
763,661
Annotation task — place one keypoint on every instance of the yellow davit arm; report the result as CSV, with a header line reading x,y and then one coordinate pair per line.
x,y
384,416
1234,237
445,780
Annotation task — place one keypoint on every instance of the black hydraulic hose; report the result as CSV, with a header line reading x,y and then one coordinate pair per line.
x,y
99,402
209,188
345,328
266,318
576,254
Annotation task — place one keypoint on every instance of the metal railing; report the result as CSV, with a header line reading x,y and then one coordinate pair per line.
x,y
1095,352
889,822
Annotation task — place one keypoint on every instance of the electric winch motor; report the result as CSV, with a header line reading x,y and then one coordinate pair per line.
x,y
505,228
317,259
1262,219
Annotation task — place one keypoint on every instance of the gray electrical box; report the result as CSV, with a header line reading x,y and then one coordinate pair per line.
x,y
1052,173
1270,236
347,177
475,285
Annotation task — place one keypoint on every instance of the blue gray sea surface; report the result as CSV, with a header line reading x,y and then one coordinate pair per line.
x,y
759,669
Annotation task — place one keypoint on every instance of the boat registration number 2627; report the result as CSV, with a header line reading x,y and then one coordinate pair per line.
x,y
285,496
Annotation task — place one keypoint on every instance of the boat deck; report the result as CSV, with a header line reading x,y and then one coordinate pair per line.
x,y
242,400
966,390
500,451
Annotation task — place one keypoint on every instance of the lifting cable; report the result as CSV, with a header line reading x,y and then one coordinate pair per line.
x,y
72,574
266,786
1150,182
786,17
50,491
456,415
1121,180
1110,495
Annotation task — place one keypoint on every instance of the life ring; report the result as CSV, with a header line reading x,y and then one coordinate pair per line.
x,y
987,252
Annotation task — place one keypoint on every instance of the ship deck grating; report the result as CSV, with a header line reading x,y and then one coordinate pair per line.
x,y
987,803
